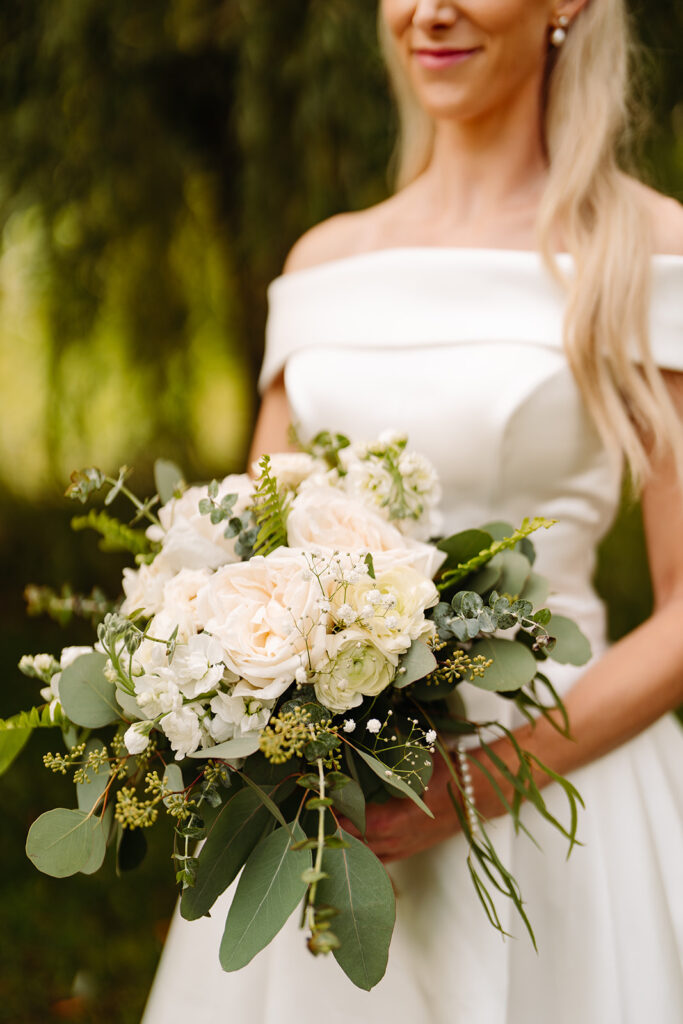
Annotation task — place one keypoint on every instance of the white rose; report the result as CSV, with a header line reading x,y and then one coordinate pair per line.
x,y
189,539
356,668
327,520
179,600
144,588
391,608
290,469
136,738
266,615
183,730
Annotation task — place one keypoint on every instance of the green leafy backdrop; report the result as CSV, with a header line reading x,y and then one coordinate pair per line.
x,y
158,161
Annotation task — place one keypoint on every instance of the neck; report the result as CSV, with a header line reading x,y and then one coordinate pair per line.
x,y
489,166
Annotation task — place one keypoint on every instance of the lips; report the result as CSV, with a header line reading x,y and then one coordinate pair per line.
x,y
438,58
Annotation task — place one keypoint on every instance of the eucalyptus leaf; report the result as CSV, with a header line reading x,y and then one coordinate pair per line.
x,y
484,578
535,590
87,696
168,478
460,547
350,802
269,889
360,889
390,777
173,779
515,571
88,793
240,746
61,842
99,848
571,646
513,665
233,835
416,663
128,704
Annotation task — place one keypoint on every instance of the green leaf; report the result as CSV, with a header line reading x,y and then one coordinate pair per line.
x,y
168,478
12,742
128,703
269,510
350,802
571,646
233,835
360,888
515,571
116,536
87,696
269,889
284,789
62,842
173,780
88,793
416,663
535,589
513,665
461,547
241,746
390,777
99,849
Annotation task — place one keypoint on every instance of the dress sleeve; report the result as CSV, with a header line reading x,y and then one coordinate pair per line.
x,y
666,312
281,332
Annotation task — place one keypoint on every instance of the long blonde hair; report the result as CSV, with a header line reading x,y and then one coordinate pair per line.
x,y
604,226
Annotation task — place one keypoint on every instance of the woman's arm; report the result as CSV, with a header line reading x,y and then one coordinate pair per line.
x,y
637,680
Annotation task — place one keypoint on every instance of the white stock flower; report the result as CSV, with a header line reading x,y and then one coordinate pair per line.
x,y
136,738
355,669
266,615
325,519
237,716
179,600
183,729
189,539
197,666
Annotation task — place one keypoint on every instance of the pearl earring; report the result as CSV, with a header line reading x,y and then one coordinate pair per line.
x,y
559,34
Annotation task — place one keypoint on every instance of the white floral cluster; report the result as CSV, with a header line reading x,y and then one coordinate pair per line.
x,y
217,640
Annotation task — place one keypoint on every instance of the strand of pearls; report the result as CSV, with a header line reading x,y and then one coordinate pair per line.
x,y
468,788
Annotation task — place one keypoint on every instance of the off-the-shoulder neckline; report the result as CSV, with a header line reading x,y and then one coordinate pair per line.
x,y
472,252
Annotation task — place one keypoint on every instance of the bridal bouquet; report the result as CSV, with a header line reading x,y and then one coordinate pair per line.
x,y
288,648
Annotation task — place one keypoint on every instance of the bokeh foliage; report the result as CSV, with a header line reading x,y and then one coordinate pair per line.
x,y
158,161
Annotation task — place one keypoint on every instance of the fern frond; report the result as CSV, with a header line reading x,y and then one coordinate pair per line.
x,y
34,718
116,536
269,509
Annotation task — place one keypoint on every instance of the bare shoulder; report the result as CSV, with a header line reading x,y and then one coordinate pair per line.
x,y
667,219
331,239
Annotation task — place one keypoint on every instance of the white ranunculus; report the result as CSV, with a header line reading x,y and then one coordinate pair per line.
x,y
290,469
325,519
237,716
183,729
189,539
356,668
266,615
136,738
391,607
144,588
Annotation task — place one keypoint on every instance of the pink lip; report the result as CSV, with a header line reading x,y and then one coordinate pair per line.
x,y
442,58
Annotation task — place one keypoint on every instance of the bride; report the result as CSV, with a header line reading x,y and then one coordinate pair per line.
x,y
515,307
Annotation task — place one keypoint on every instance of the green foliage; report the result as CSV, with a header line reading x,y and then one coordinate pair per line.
x,y
350,801
168,479
416,663
358,886
240,746
389,776
464,566
116,536
269,509
269,889
87,696
513,665
89,791
571,647
234,833
61,842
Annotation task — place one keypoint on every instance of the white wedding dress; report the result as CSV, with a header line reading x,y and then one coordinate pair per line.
x,y
462,350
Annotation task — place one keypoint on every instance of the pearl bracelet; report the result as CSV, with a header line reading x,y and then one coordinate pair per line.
x,y
468,788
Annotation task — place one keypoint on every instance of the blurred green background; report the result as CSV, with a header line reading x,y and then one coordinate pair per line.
x,y
158,161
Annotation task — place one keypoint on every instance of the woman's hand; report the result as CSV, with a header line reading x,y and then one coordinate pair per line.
x,y
399,828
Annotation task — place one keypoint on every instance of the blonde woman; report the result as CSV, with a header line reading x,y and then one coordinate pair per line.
x,y
516,306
